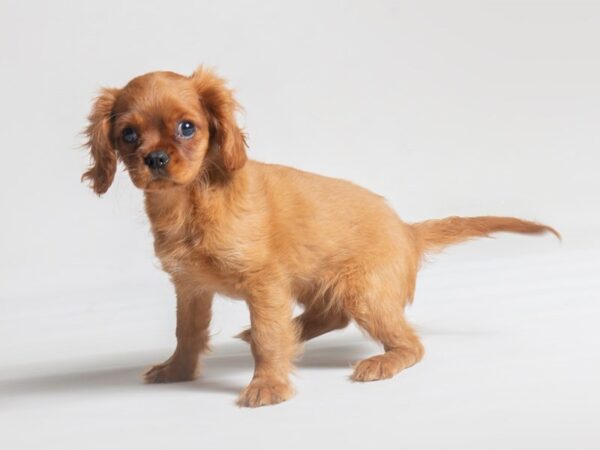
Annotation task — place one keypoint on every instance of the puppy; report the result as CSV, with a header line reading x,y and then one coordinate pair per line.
x,y
268,234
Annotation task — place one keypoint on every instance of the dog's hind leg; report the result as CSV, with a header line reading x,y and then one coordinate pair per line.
x,y
313,322
376,302
402,346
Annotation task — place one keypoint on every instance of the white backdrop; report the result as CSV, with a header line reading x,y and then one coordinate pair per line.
x,y
444,108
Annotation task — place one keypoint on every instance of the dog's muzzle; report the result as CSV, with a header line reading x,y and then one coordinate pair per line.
x,y
157,160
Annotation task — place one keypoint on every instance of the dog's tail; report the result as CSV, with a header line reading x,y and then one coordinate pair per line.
x,y
434,235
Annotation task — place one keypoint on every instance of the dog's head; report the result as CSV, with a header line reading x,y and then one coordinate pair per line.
x,y
167,129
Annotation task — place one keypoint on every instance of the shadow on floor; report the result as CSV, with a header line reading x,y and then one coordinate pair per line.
x,y
123,371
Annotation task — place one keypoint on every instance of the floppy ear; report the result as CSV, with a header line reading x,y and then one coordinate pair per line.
x,y
220,106
102,154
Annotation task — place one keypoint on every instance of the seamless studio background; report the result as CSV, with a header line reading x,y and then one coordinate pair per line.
x,y
444,108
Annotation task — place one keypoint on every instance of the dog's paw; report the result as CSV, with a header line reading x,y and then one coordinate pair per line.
x,y
263,392
170,372
375,368
245,335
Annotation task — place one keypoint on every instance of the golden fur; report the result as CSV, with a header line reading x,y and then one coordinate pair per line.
x,y
268,234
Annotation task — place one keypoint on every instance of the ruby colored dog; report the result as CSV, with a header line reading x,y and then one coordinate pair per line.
x,y
268,234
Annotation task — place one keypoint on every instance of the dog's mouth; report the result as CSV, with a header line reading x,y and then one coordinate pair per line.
x,y
159,183
159,180
146,178
159,174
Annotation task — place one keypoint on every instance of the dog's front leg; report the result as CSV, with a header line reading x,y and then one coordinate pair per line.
x,y
274,345
193,320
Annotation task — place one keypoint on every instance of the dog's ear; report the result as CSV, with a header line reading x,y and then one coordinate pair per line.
x,y
102,153
220,106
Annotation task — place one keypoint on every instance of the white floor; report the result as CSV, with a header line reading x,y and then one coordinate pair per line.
x,y
511,330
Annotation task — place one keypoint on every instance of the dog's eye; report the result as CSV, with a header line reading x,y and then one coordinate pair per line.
x,y
185,129
129,135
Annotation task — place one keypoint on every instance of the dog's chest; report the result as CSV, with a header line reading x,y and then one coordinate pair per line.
x,y
187,253
182,250
193,244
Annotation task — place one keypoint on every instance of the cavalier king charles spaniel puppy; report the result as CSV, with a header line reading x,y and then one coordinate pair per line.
x,y
268,234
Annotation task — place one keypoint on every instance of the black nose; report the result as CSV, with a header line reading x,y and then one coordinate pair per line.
x,y
156,160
